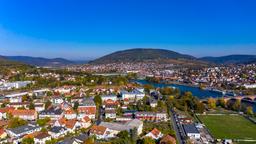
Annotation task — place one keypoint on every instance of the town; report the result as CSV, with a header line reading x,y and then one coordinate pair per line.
x,y
46,106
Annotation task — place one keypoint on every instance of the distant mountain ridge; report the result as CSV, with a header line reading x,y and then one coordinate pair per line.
x,y
140,54
39,61
231,59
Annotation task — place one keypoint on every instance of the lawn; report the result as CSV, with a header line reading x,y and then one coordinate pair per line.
x,y
229,126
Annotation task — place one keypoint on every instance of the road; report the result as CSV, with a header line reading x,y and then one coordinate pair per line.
x,y
178,128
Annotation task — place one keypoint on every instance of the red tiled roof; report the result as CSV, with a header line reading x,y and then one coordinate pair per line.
x,y
23,112
70,111
100,130
71,123
42,135
167,139
155,132
1,131
6,109
87,110
86,119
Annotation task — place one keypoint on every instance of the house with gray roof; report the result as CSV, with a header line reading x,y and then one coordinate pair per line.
x,y
22,130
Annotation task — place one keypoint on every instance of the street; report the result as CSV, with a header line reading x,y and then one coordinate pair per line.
x,y
180,135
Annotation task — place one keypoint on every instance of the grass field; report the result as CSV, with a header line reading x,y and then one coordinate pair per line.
x,y
229,126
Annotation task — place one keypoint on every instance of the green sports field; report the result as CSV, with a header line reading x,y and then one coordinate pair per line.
x,y
229,126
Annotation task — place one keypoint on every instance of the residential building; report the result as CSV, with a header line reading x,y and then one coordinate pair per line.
x,y
191,131
87,108
151,116
24,114
58,131
42,138
168,140
154,134
22,130
53,112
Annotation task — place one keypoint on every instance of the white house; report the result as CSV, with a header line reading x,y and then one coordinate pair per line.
x,y
42,138
133,95
191,131
17,97
109,97
22,130
155,134
58,131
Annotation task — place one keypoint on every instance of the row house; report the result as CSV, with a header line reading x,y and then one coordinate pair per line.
x,y
135,94
53,112
87,108
4,111
24,114
22,130
151,116
17,105
17,97
42,138
109,97
70,114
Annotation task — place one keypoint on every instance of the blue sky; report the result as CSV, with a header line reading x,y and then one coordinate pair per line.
x,y
83,29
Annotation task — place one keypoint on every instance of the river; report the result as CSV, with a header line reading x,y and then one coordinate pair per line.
x,y
196,91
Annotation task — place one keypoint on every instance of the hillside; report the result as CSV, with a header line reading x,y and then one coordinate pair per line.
x,y
231,59
37,61
6,65
141,54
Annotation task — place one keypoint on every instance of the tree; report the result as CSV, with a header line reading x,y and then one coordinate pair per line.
x,y
31,106
27,141
199,108
76,104
148,140
236,106
52,141
249,110
148,87
98,100
25,98
16,122
211,103
119,111
48,103
123,134
43,122
90,140
221,102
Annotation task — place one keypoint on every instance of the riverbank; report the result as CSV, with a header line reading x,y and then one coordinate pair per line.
x,y
195,90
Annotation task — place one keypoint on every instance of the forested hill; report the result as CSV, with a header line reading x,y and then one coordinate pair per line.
x,y
140,54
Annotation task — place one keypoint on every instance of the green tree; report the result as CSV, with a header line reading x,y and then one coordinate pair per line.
x,y
76,104
52,141
249,110
211,103
237,105
27,141
31,106
16,122
43,122
148,140
221,102
199,108
98,100
90,140
48,103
